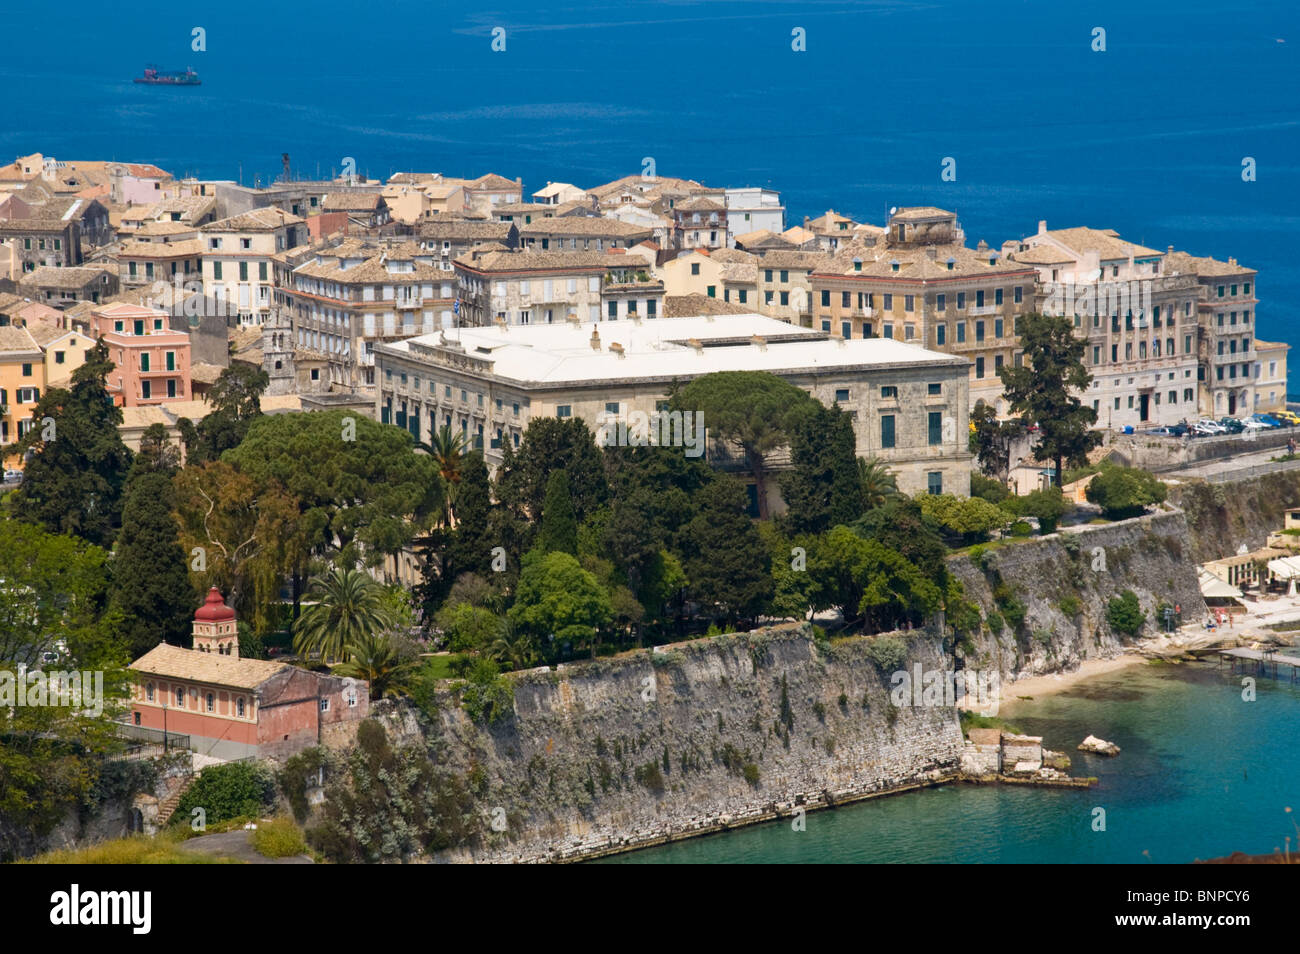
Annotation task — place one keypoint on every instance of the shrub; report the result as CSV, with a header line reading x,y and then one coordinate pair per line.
x,y
232,790
751,773
995,622
279,839
819,711
487,696
1123,492
994,491
887,652
650,776
1070,606
1021,529
1124,613
1047,505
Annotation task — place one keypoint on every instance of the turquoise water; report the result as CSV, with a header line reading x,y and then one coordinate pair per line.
x,y
1201,774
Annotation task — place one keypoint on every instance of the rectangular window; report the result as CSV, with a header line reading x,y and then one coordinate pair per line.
x,y
936,428
979,331
1019,295
889,391
889,302
940,335
909,303
961,331
261,271
841,395
564,410
941,303
934,482
934,389
997,328
886,430
979,367
826,298
961,300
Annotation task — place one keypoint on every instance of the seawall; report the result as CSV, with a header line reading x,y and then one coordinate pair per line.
x,y
641,748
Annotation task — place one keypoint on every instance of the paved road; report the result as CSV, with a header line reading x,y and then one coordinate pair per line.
x,y
238,845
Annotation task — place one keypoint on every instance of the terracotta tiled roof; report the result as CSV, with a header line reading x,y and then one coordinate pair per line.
x,y
212,669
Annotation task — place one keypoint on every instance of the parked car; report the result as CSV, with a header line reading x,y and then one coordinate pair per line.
x,y
1232,425
1287,417
13,476
1249,424
1268,420
1211,427
1162,432
1179,430
1202,430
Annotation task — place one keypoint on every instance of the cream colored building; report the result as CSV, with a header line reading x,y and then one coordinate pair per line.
x,y
237,259
1136,314
909,406
1270,376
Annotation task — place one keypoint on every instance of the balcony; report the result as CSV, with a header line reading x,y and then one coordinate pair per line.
x,y
978,311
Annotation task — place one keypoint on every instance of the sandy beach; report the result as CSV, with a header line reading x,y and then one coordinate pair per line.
x,y
1050,683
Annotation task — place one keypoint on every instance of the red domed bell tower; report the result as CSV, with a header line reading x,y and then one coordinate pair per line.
x,y
214,627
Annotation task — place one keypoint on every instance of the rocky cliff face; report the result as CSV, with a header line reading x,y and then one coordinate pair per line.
x,y
1064,583
716,731
1222,517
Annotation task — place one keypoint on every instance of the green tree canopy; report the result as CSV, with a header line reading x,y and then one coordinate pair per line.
x,y
1123,492
346,607
559,529
557,597
151,583
868,581
991,440
74,479
361,489
757,410
1045,389
236,401
825,487
725,559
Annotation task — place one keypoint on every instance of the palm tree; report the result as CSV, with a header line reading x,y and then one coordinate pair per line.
x,y
877,481
347,606
374,658
447,446
513,647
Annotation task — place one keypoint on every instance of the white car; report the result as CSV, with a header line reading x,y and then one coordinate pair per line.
x,y
1214,427
1249,425
13,476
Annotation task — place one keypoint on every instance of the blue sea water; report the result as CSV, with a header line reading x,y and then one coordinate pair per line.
x,y
1147,137
1201,774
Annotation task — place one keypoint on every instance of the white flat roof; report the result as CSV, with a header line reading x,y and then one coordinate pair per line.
x,y
659,348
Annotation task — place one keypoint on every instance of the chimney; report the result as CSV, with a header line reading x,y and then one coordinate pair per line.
x,y
1170,250
572,318
759,341
595,339
617,349
698,345
1232,262
1042,226
806,221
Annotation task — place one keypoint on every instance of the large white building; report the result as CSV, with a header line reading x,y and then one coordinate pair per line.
x,y
909,405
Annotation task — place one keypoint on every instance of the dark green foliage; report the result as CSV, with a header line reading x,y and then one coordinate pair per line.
x,y
757,410
549,445
359,499
74,480
231,790
1044,391
1124,492
823,489
994,491
447,554
236,400
1070,605
151,583
887,652
390,803
725,560
650,776
1124,613
1047,505
990,442
487,696
868,581
559,529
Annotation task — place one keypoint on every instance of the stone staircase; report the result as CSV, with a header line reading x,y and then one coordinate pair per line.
x,y
167,807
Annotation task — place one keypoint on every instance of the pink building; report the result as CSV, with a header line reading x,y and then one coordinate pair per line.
x,y
153,360
234,708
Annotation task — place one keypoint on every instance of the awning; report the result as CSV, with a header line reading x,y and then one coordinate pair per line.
x,y
1214,588
1285,568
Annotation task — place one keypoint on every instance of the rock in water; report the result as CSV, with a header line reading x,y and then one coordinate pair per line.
x,y
1100,746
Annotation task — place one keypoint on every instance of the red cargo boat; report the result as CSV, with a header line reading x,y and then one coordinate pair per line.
x,y
154,77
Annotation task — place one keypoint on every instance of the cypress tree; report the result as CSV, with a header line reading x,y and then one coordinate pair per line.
x,y
150,580
559,530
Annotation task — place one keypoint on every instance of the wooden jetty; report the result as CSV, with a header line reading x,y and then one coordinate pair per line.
x,y
1263,660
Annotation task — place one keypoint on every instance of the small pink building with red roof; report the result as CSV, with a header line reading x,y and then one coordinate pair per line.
x,y
231,707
